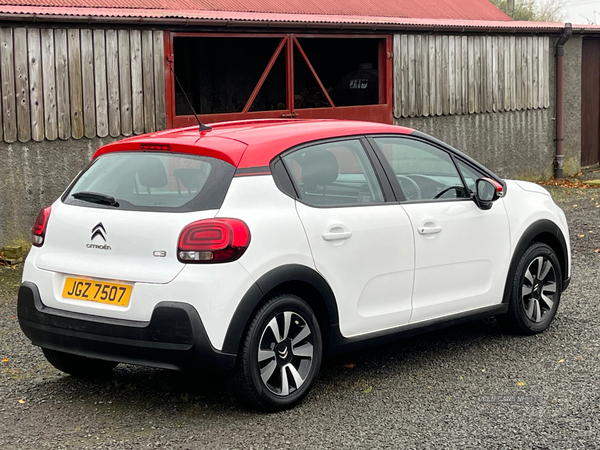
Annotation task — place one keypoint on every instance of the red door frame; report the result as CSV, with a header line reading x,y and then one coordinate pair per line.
x,y
376,113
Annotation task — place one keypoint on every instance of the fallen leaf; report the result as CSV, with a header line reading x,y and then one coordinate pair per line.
x,y
21,401
580,358
574,206
561,360
597,250
520,383
580,235
4,360
349,366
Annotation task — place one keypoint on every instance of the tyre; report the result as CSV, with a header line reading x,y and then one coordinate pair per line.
x,y
535,293
280,355
78,366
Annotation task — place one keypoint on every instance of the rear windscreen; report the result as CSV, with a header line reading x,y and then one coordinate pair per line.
x,y
144,181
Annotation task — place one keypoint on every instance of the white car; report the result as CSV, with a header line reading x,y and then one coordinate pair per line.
x,y
263,246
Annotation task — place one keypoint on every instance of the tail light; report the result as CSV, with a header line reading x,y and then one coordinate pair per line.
x,y
213,241
38,232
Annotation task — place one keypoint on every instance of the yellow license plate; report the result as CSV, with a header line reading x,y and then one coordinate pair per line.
x,y
97,291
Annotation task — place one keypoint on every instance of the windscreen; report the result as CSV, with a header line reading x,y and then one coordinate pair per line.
x,y
148,181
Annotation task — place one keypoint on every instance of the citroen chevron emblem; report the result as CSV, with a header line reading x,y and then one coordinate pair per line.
x,y
99,230
283,354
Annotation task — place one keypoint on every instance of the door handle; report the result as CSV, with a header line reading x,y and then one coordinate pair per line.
x,y
337,235
429,230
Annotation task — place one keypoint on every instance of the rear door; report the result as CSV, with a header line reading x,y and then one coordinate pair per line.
x,y
361,244
461,251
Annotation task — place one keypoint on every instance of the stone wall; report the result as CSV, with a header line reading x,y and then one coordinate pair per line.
x,y
33,175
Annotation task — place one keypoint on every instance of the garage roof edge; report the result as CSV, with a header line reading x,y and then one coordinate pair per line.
x,y
167,19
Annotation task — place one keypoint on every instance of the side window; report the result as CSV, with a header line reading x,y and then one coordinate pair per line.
x,y
334,174
469,174
424,172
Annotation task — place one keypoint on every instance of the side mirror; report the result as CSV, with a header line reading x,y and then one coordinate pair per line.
x,y
487,192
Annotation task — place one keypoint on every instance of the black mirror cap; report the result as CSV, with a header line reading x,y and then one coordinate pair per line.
x,y
487,192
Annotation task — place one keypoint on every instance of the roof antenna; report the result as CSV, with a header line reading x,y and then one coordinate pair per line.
x,y
201,126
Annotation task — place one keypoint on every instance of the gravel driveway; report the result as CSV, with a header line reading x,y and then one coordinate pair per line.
x,y
469,386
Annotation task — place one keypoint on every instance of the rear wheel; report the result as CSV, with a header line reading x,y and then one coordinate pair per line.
x,y
280,355
78,366
535,293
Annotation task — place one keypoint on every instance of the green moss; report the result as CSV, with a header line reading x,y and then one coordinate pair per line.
x,y
571,167
533,176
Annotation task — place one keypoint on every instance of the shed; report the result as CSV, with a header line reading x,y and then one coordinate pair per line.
x,y
76,74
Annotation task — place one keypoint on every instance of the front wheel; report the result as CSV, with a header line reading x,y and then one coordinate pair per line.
x,y
536,289
280,356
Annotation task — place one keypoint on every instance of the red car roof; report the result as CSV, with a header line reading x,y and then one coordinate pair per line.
x,y
252,143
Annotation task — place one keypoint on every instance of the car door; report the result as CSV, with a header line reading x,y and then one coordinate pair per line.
x,y
361,243
461,251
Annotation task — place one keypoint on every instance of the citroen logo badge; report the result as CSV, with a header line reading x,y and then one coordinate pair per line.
x,y
99,230
283,354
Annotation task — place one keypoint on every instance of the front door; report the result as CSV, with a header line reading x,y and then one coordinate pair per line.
x,y
461,252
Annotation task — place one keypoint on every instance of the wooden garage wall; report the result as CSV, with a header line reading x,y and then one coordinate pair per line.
x,y
71,83
442,75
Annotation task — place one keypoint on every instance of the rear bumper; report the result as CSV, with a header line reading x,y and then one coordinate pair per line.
x,y
174,338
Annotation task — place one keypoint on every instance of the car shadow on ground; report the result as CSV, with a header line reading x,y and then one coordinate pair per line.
x,y
138,388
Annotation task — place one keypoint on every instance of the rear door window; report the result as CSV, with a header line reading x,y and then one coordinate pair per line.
x,y
152,182
334,174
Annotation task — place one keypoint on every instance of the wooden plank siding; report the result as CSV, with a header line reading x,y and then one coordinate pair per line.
x,y
36,96
75,83
137,90
112,80
65,83
49,84
62,84
87,72
7,76
22,85
451,75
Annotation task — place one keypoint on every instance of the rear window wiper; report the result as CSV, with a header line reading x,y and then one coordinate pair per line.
x,y
95,197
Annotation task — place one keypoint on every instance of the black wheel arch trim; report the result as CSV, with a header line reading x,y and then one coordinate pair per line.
x,y
268,283
540,227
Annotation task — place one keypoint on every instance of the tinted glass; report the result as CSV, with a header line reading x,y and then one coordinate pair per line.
x,y
153,182
470,175
334,174
423,171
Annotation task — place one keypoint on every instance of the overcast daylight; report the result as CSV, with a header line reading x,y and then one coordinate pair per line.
x,y
582,11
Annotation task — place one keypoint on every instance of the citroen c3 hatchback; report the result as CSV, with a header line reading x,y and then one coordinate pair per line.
x,y
263,246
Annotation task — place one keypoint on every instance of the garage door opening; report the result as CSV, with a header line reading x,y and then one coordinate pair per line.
x,y
232,77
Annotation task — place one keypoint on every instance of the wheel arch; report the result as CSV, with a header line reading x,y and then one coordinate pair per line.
x,y
296,279
544,231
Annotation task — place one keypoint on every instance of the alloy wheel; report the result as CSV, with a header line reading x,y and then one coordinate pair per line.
x,y
539,290
285,353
